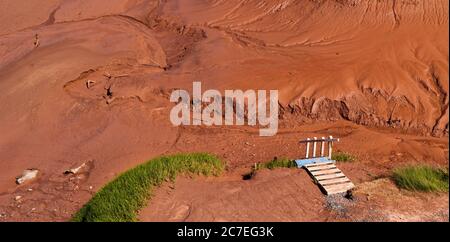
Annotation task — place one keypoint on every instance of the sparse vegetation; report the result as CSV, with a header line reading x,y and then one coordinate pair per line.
x,y
422,178
273,164
343,157
121,199
277,163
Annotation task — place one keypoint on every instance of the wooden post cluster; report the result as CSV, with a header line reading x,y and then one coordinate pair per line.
x,y
323,141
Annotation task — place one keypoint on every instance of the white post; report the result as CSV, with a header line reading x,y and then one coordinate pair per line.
x,y
314,147
307,147
322,148
330,148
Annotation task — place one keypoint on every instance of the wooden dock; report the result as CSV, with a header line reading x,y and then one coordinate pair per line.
x,y
330,179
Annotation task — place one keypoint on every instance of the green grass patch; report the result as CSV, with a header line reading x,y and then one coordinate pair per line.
x,y
343,157
271,165
277,163
422,178
121,199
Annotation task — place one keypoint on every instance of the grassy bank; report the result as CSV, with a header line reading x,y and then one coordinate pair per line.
x,y
421,178
121,199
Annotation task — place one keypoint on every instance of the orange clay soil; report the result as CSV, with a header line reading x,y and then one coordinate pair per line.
x,y
90,79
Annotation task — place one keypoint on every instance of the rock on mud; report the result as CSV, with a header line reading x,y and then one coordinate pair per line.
x,y
27,175
75,170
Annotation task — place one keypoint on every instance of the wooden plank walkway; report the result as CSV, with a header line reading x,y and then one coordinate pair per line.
x,y
329,177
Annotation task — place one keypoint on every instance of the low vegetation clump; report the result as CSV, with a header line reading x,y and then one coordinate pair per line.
x,y
343,157
277,163
422,178
271,165
121,199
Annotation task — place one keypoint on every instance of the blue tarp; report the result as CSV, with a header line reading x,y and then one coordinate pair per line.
x,y
301,163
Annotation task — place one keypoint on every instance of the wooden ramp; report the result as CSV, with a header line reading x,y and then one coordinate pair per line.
x,y
329,177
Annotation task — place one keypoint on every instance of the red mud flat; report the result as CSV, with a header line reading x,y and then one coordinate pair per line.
x,y
281,195
86,80
288,196
54,197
